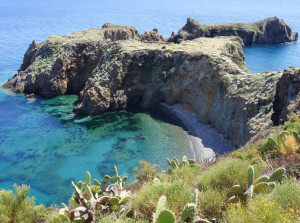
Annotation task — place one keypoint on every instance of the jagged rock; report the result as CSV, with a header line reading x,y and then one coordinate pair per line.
x,y
153,36
206,75
268,31
287,99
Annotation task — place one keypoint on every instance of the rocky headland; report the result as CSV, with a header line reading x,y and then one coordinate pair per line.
x,y
116,67
268,31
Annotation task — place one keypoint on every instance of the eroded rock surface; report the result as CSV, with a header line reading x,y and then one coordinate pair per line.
x,y
268,31
111,69
287,99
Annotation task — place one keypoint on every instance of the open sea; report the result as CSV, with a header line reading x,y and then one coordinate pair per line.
x,y
42,144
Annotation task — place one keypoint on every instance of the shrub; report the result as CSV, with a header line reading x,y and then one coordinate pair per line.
x,y
211,202
187,174
287,194
260,210
250,154
148,171
178,194
293,124
17,207
53,217
290,146
226,173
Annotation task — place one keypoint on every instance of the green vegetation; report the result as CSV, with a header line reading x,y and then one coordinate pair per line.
x,y
17,207
260,210
244,186
262,184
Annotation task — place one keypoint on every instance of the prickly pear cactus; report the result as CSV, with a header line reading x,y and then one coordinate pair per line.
x,y
166,216
262,179
196,193
261,187
250,175
88,178
249,193
277,174
169,162
237,190
189,212
161,205
174,165
262,184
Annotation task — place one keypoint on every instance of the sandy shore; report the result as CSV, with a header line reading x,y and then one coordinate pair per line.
x,y
206,142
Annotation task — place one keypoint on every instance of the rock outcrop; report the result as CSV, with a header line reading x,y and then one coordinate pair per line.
x,y
153,36
287,99
207,76
268,31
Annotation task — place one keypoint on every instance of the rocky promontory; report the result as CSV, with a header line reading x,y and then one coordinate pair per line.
x,y
114,67
268,31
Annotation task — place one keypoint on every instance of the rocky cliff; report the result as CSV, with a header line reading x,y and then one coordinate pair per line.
x,y
268,31
111,68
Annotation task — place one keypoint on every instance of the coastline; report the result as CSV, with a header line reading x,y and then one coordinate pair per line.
x,y
205,146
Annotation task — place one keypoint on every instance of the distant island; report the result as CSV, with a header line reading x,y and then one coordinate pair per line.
x,y
116,66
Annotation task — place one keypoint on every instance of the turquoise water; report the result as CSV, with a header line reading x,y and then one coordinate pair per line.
x,y
46,146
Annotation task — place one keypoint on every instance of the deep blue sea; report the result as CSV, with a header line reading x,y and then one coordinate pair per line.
x,y
44,145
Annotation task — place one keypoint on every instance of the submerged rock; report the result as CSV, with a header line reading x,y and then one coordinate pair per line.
x,y
268,31
111,69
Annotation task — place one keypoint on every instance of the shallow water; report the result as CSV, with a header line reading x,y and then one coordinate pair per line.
x,y
46,146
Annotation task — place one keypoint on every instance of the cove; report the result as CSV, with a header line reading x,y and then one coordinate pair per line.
x,y
46,146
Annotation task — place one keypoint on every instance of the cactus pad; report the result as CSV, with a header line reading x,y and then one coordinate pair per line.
x,y
191,162
272,142
237,189
174,164
96,182
250,175
166,216
277,174
249,193
161,205
189,212
169,162
124,200
176,161
196,193
88,178
260,187
233,199
262,179
156,180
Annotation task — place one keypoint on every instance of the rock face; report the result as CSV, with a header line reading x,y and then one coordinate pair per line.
x,y
206,76
287,99
268,31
